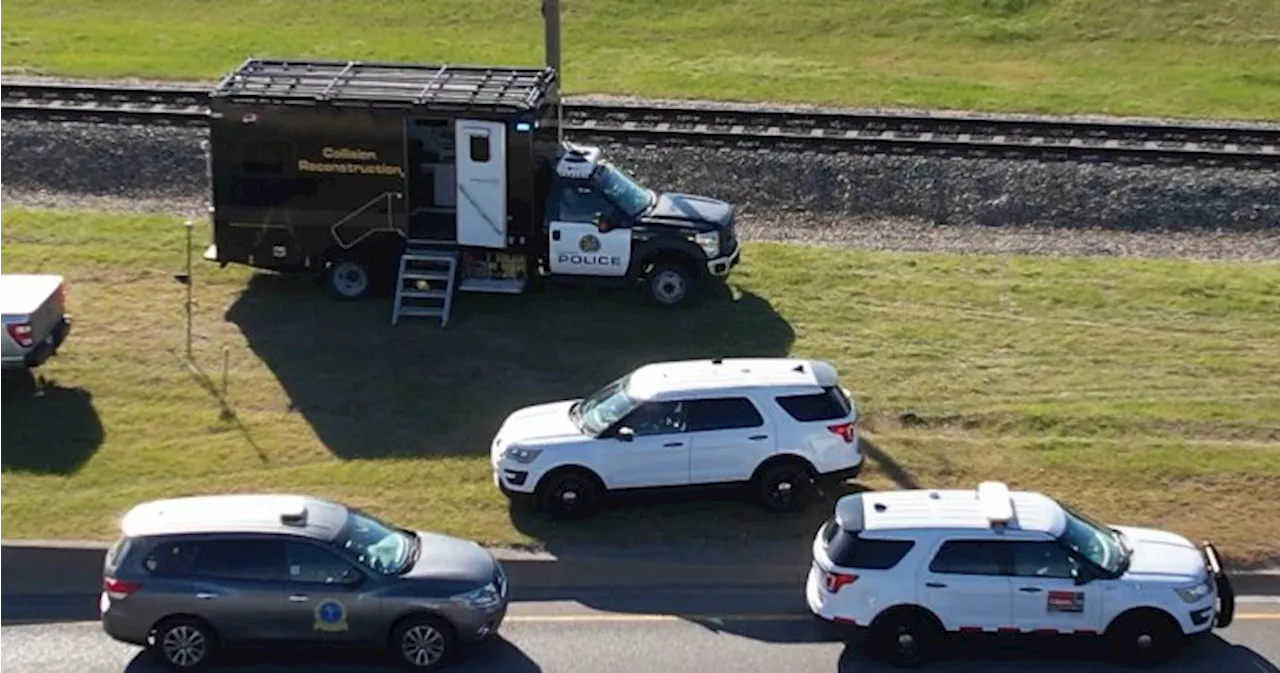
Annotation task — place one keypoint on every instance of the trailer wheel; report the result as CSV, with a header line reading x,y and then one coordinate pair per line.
x,y
348,278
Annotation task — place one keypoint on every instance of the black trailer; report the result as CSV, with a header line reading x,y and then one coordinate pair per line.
x,y
433,178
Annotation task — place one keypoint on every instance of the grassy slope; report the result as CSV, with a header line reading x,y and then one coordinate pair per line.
x,y
1175,57
1143,391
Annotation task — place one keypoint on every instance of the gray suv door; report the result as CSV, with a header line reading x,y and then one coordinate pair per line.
x,y
236,585
329,598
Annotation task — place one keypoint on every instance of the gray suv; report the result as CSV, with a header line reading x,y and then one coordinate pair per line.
x,y
193,574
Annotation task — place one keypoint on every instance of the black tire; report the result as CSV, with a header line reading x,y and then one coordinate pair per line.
x,y
423,642
184,643
784,487
570,495
670,285
1144,638
904,639
350,278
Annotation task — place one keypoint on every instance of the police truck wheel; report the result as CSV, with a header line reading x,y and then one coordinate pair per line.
x,y
423,642
571,494
183,644
670,285
349,279
1144,638
905,639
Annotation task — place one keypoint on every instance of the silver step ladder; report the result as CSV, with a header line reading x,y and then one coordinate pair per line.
x,y
425,285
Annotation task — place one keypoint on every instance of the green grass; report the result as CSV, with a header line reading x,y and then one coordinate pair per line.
x,y
1142,391
1210,58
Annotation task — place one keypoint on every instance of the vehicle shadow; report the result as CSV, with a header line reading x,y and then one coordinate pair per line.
x,y
1065,655
48,428
371,390
498,655
756,559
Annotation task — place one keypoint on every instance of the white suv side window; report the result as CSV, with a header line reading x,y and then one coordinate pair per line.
x,y
657,418
725,413
1042,559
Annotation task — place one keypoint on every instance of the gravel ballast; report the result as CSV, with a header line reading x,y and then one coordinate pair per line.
x,y
872,202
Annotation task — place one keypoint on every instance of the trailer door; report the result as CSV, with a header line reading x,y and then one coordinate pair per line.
x,y
482,183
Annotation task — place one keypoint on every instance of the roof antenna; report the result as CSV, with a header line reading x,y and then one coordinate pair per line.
x,y
799,368
717,361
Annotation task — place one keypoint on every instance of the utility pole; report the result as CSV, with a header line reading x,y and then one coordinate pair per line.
x,y
551,42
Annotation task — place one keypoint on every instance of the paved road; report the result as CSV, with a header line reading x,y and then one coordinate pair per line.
x,y
711,632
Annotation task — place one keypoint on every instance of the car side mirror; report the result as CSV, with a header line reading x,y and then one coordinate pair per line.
x,y
352,577
1080,576
625,434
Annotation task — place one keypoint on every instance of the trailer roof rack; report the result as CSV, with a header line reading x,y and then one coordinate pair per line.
x,y
376,84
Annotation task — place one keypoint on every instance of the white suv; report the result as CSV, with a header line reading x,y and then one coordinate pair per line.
x,y
912,565
777,424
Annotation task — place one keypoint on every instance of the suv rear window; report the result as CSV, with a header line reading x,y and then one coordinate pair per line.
x,y
827,405
117,552
849,550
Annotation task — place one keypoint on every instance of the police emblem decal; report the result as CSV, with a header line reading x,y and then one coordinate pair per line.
x,y
330,615
589,243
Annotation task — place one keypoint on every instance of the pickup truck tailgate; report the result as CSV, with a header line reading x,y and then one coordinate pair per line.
x,y
38,300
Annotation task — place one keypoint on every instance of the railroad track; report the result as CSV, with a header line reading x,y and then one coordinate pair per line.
x,y
1248,146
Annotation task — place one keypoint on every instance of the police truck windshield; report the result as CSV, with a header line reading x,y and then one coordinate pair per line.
x,y
604,407
622,189
1094,541
381,548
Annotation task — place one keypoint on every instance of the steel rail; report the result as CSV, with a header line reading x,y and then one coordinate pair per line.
x,y
1244,145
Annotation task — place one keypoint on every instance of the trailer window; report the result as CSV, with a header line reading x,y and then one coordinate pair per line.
x,y
479,147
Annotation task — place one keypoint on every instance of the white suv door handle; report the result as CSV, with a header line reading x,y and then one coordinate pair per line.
x,y
298,598
756,438
671,445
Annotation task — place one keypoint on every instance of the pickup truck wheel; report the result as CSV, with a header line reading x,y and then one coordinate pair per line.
x,y
671,285
348,278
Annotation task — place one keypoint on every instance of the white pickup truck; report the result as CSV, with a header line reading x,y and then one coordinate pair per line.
x,y
35,320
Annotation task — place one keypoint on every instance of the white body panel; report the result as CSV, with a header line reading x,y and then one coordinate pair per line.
x,y
482,183
720,456
581,249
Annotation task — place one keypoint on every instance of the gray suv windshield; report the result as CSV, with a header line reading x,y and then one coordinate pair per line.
x,y
379,547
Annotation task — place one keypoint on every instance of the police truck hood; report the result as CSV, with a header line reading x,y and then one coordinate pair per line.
x,y
1161,556
690,208
539,422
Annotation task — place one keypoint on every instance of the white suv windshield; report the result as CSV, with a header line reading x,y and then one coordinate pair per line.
x,y
604,407
377,546
1094,541
622,189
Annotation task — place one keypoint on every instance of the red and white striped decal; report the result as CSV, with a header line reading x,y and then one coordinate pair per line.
x,y
1010,630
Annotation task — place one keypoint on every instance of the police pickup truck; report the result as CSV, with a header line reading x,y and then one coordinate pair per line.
x,y
603,223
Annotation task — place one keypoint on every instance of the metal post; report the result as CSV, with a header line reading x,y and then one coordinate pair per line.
x,y
190,283
551,32
226,361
